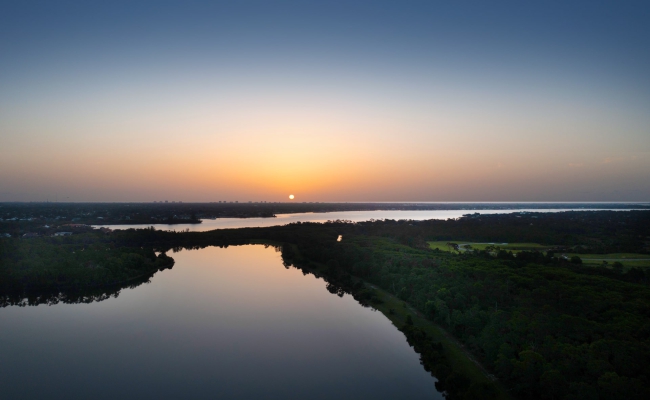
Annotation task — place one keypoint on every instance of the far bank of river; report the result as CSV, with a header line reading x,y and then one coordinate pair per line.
x,y
354,216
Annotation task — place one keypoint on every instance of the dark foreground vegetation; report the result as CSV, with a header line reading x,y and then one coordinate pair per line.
x,y
54,269
545,327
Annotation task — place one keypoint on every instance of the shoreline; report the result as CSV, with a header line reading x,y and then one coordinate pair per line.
x,y
461,359
396,311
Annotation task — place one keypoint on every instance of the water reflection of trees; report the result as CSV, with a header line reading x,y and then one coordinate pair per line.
x,y
71,295
432,354
31,295
337,281
77,295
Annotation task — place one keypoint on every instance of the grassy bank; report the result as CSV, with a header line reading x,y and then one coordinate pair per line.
x,y
461,360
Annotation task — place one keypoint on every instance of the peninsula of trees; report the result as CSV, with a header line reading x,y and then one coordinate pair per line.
x,y
543,326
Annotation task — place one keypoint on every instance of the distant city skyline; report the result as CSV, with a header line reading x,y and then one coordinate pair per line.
x,y
330,101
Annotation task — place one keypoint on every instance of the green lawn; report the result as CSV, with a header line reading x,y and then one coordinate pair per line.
x,y
631,263
618,256
514,247
627,259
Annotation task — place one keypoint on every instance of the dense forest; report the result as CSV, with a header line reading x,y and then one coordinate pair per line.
x,y
545,327
72,263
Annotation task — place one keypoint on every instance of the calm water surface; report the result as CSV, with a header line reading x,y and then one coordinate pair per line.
x,y
356,216
227,323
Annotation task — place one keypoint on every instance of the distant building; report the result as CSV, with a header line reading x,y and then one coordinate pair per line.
x,y
31,235
62,233
5,235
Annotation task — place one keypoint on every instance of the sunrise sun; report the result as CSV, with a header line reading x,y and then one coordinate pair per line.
x,y
291,197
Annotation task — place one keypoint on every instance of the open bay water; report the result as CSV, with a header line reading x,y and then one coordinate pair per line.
x,y
354,216
229,323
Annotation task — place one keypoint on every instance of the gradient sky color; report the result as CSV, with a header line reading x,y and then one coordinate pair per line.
x,y
330,101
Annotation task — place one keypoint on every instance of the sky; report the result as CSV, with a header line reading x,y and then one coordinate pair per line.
x,y
328,100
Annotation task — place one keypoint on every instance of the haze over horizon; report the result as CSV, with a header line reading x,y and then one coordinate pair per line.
x,y
330,101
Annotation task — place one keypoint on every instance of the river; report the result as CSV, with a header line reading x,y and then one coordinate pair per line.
x,y
356,216
229,323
